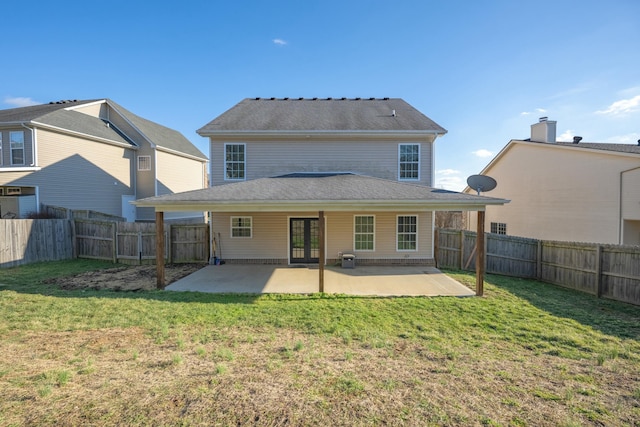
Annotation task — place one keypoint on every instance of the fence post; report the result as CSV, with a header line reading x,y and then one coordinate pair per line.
x,y
114,242
436,237
462,249
74,240
539,261
599,271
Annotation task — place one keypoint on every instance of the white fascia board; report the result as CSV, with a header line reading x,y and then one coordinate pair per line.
x,y
88,104
82,135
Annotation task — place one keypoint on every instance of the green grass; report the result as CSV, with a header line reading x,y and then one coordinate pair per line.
x,y
541,347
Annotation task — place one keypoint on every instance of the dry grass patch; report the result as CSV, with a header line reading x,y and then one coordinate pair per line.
x,y
125,377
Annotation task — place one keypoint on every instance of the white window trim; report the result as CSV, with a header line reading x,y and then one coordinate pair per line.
x,y
373,232
1,148
250,236
11,148
419,161
224,161
417,233
138,163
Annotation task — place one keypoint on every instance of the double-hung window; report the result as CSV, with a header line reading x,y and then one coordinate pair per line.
x,y
234,161
241,226
409,162
407,233
364,233
16,142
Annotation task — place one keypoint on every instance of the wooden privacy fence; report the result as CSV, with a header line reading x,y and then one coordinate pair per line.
x,y
23,241
607,271
134,243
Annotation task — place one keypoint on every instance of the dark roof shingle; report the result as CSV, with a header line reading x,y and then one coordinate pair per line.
x,y
322,114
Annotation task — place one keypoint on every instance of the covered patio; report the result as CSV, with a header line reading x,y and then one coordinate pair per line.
x,y
365,281
320,195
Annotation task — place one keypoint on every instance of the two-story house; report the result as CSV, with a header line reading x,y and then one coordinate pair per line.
x,y
307,180
568,191
92,155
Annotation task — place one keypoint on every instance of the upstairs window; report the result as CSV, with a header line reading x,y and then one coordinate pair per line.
x,y
407,237
499,228
234,161
16,141
409,162
144,163
241,226
364,233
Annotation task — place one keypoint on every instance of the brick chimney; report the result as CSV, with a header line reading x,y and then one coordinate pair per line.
x,y
543,131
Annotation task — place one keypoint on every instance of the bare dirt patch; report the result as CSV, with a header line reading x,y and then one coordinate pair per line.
x,y
129,278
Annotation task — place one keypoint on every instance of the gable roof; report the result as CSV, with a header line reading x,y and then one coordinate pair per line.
x,y
61,115
322,114
331,192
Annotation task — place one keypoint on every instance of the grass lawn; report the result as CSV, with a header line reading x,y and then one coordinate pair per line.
x,y
527,353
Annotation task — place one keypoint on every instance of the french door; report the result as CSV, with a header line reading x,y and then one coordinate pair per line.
x,y
304,246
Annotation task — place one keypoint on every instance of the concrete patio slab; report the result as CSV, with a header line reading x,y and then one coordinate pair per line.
x,y
365,280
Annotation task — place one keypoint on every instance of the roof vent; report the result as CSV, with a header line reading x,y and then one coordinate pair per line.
x,y
357,99
543,119
385,99
639,143
329,99
577,139
393,113
372,99
258,98
315,99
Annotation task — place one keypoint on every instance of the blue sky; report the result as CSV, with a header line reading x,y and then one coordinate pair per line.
x,y
484,69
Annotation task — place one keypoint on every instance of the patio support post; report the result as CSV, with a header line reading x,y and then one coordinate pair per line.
x,y
321,250
480,255
160,250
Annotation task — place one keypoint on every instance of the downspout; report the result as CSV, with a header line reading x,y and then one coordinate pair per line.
x,y
620,228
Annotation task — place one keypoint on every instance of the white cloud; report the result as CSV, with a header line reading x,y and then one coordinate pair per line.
x,y
566,136
537,111
19,101
482,153
631,138
447,172
622,106
279,42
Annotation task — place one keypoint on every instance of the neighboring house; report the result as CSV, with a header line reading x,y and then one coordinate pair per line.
x,y
92,155
580,192
357,171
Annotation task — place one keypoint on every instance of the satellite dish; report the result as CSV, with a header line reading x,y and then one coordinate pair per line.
x,y
481,183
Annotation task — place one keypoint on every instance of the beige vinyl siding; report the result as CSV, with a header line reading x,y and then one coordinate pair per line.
x,y
558,193
176,173
79,174
270,235
273,158
94,110
341,234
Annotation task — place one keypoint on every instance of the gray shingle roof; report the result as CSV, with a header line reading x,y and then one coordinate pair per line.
x,y
160,135
620,148
56,114
318,189
322,114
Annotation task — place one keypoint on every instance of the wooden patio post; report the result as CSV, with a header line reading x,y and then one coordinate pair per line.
x,y
480,255
321,249
160,250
